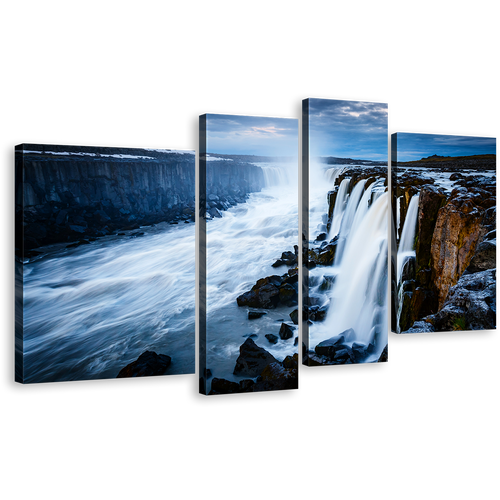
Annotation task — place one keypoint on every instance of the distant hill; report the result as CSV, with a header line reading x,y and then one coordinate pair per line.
x,y
332,160
452,158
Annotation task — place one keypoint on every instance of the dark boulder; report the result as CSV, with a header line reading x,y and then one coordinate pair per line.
x,y
288,296
291,362
484,258
273,339
255,314
277,377
252,359
286,332
264,294
329,347
223,386
148,364
289,258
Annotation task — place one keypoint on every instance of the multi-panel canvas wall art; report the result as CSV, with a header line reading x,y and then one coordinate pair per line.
x,y
444,218
248,225
105,262
345,203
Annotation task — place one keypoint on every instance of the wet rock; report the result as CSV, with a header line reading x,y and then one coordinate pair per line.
x,y
420,327
408,270
223,386
291,362
264,294
207,373
321,237
296,341
286,332
148,364
288,295
294,316
327,283
255,314
310,358
246,385
329,347
276,376
289,258
252,359
325,255
273,339
470,304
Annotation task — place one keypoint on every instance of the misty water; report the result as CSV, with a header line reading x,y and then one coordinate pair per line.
x,y
90,311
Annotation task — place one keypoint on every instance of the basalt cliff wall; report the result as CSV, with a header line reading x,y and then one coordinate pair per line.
x,y
69,193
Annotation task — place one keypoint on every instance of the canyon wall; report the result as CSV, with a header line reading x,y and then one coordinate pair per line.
x,y
71,193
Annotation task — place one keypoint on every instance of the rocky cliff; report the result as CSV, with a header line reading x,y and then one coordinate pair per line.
x,y
455,242
73,193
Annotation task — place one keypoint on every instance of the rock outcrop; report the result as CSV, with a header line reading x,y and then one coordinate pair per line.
x,y
470,304
456,235
455,238
148,364
272,291
252,359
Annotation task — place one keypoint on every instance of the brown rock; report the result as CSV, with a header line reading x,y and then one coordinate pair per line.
x,y
456,235
430,201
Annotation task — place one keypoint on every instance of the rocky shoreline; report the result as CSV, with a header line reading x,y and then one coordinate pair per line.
x,y
450,283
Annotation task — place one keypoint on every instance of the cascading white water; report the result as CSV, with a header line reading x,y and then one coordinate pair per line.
x,y
332,174
406,248
275,174
407,240
348,218
339,208
90,310
358,298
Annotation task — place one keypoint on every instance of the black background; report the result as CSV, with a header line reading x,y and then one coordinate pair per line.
x,y
157,105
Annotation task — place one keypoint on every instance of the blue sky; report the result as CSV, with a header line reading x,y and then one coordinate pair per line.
x,y
348,129
252,135
418,146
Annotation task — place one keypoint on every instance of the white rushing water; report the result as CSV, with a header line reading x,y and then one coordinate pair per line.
x,y
91,310
242,245
406,247
358,297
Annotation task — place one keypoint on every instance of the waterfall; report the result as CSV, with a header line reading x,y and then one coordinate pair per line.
x,y
407,241
406,249
358,298
338,209
348,218
274,175
333,173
